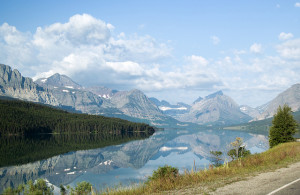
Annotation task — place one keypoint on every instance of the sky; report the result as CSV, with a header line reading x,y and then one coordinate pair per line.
x,y
172,50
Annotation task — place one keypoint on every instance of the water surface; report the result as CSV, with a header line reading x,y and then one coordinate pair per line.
x,y
134,161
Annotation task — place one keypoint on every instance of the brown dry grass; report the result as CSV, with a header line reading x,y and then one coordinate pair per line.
x,y
206,180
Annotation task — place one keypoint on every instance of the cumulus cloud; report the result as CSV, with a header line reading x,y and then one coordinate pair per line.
x,y
256,48
85,49
297,4
215,40
285,36
290,49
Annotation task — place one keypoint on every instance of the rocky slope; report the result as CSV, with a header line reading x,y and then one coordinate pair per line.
x,y
136,104
253,112
291,97
13,84
71,94
216,108
169,109
60,90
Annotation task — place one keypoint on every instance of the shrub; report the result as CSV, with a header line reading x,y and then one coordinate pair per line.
x,y
165,172
83,188
217,158
242,152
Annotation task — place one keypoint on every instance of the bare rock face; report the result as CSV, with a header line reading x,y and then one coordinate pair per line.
x,y
60,90
216,108
135,103
291,97
253,112
57,81
169,109
71,94
102,91
13,84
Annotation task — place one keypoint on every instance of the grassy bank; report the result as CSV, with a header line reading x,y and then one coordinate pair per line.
x,y
208,180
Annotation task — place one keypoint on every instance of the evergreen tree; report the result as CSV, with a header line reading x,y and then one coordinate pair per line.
x,y
283,126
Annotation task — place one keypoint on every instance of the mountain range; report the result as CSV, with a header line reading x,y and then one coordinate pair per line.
x,y
214,109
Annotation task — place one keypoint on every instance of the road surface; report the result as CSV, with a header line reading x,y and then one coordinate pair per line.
x,y
281,181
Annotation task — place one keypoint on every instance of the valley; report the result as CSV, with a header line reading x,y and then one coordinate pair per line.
x,y
56,129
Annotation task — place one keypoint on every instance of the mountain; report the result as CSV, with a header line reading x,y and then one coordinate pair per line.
x,y
60,90
291,97
58,81
131,105
198,100
13,84
71,94
103,92
171,110
253,112
215,109
136,104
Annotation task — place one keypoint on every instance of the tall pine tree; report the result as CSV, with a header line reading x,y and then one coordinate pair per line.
x,y
283,126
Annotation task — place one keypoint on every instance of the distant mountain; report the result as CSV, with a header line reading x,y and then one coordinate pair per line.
x,y
13,84
60,90
291,97
103,92
198,100
71,94
171,110
253,112
136,104
58,81
216,109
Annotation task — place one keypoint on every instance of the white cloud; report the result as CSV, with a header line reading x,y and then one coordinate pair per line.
x,y
128,67
215,40
197,60
290,49
256,48
78,31
285,36
297,4
85,49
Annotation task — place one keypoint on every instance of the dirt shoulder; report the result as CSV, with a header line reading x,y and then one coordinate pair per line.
x,y
262,183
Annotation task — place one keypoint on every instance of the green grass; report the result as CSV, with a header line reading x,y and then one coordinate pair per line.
x,y
214,177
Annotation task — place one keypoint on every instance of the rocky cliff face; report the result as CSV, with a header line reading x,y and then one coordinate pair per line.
x,y
103,92
60,90
291,97
169,109
71,94
253,112
134,103
13,84
216,108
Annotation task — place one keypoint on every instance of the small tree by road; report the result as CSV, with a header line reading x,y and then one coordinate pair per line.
x,y
283,128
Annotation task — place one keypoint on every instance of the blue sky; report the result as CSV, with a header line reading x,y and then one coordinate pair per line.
x,y
172,50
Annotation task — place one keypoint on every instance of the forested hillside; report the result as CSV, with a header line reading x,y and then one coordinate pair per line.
x,y
262,126
26,118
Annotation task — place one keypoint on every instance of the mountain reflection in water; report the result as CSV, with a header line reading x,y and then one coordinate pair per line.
x,y
133,161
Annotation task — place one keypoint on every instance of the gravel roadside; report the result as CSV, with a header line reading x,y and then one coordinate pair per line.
x,y
263,183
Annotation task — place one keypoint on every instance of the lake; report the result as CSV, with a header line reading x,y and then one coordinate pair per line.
x,y
134,161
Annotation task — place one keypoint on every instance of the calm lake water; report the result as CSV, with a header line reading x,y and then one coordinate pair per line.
x,y
134,161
